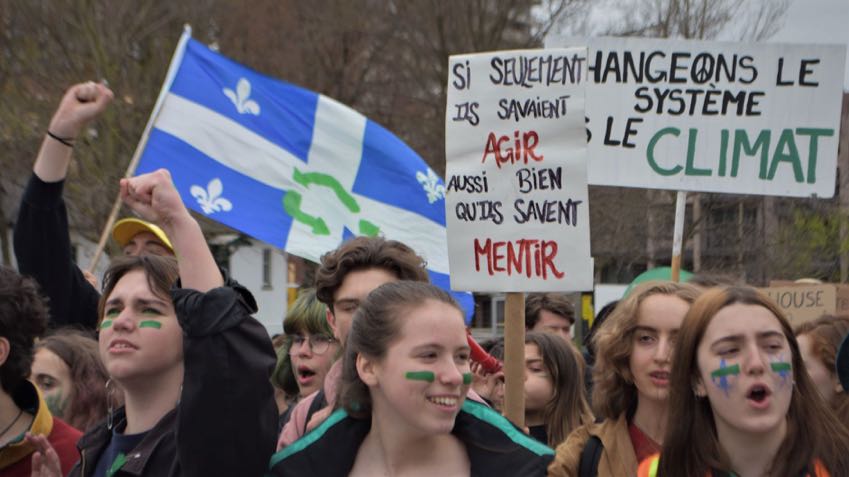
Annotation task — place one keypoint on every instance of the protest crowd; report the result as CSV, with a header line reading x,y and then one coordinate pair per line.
x,y
161,369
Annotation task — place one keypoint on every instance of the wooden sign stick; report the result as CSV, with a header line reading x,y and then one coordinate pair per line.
x,y
514,358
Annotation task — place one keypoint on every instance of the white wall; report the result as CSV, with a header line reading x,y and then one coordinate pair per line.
x,y
247,268
607,292
85,252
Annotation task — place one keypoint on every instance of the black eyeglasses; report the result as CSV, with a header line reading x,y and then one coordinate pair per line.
x,y
318,343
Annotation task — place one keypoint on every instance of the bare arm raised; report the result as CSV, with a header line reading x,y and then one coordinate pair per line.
x,y
81,104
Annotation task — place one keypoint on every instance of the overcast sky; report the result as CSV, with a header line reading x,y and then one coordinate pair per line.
x,y
817,21
806,21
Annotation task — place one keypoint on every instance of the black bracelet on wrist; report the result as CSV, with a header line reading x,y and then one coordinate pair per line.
x,y
68,141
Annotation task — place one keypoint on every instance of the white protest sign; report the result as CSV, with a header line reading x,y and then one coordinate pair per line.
x,y
517,208
714,117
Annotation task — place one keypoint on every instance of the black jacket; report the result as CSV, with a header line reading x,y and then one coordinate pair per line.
x,y
225,422
495,446
43,251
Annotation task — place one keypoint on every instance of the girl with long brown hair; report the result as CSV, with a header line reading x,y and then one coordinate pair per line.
x,y
741,402
403,407
818,343
631,379
555,403
68,371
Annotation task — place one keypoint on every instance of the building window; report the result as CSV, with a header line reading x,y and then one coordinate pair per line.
x,y
266,269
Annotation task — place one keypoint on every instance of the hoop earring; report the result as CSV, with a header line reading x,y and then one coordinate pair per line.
x,y
110,392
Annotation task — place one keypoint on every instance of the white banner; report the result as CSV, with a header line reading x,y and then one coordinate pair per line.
x,y
714,117
517,208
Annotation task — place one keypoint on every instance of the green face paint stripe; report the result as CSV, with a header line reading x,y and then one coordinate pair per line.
x,y
150,324
781,367
467,378
726,371
428,376
105,324
56,404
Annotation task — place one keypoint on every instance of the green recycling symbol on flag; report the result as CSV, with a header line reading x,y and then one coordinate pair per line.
x,y
292,203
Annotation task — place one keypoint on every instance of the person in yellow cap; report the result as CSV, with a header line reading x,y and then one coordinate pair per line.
x,y
135,236
41,239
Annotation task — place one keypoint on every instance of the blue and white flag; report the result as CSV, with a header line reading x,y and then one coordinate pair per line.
x,y
288,166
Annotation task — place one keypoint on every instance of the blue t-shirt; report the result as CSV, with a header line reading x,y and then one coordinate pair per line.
x,y
114,456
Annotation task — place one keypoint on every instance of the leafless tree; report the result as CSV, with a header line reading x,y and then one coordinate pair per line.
x,y
632,228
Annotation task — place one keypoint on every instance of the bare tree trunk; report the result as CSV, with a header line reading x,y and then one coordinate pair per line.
x,y
651,232
762,261
770,232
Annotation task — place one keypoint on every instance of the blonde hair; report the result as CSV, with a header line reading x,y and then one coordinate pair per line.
x,y
614,391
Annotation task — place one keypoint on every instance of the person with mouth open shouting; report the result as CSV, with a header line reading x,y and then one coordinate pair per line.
x,y
343,280
402,409
741,402
309,351
631,383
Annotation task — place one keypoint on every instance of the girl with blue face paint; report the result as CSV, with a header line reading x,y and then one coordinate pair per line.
x,y
740,400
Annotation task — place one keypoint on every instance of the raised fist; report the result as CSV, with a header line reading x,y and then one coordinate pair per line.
x,y
154,198
81,103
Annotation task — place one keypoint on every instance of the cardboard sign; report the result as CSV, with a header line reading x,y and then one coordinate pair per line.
x,y
714,116
516,198
808,302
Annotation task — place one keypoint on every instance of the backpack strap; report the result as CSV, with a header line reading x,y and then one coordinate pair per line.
x,y
590,456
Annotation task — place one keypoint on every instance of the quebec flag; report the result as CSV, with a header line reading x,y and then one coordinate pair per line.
x,y
288,166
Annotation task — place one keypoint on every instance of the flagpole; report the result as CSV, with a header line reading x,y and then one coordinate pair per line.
x,y
176,60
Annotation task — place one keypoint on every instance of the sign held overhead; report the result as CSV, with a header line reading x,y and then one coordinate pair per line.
x,y
516,191
714,117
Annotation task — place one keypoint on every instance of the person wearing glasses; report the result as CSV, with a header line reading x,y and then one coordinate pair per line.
x,y
308,352
343,280
402,408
